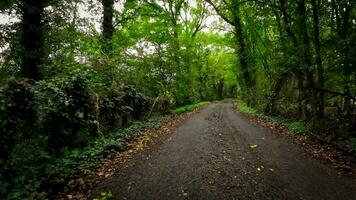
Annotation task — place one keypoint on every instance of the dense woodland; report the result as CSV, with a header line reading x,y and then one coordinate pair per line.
x,y
74,70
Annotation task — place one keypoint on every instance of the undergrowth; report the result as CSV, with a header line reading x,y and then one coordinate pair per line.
x,y
188,108
56,171
295,127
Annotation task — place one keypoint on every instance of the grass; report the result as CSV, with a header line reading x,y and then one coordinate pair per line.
x,y
188,108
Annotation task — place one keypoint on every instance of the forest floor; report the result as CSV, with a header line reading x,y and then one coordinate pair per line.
x,y
218,153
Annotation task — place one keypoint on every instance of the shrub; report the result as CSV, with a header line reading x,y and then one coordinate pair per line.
x,y
351,145
111,110
17,115
65,109
26,169
162,106
297,128
138,102
243,107
46,128
118,107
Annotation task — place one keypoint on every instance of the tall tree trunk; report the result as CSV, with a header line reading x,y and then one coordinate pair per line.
x,y
271,106
302,107
32,38
306,57
242,53
221,88
319,66
200,79
286,21
108,26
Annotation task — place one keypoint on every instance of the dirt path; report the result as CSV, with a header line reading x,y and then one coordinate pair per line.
x,y
213,155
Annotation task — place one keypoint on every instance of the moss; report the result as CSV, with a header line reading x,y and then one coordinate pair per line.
x,y
188,108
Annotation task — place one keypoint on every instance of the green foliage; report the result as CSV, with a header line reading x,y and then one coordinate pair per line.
x,y
351,145
246,109
139,103
297,128
51,131
65,109
118,105
26,169
105,196
188,108
30,165
17,115
89,157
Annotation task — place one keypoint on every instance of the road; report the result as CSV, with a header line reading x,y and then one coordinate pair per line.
x,y
219,154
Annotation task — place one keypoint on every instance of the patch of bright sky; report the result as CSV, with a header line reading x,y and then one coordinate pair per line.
x,y
6,18
92,14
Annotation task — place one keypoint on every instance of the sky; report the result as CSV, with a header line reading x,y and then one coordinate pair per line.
x,y
94,17
6,18
84,12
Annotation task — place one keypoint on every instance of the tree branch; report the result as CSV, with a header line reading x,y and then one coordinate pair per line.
x,y
218,11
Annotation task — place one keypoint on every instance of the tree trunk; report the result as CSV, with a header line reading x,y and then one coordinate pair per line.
x,y
286,21
242,52
221,88
306,57
271,106
248,81
108,26
319,66
302,110
32,38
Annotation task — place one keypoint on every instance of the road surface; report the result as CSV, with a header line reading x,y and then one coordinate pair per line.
x,y
218,154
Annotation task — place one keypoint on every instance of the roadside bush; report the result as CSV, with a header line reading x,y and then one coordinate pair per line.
x,y
49,128
351,145
17,115
120,106
66,111
111,110
297,128
26,169
138,102
163,106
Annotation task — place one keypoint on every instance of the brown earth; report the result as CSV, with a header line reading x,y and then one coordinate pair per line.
x,y
219,154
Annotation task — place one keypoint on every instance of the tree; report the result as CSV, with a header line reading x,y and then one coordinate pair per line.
x,y
32,37
229,11
108,26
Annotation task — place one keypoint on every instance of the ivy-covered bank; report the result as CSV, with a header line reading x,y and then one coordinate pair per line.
x,y
304,129
52,128
72,128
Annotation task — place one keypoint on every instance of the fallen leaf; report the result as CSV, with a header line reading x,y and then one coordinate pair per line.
x,y
253,146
